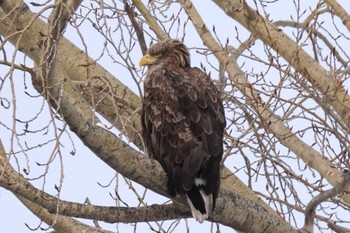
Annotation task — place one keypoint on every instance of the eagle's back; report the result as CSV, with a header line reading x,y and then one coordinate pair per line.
x,y
183,124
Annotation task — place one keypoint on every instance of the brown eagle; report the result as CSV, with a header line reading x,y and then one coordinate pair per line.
x,y
183,124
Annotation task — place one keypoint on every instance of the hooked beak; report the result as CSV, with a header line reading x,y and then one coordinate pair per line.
x,y
147,60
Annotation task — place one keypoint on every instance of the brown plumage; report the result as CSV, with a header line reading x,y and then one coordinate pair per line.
x,y
183,124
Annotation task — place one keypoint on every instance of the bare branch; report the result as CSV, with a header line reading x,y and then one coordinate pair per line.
x,y
60,16
61,224
331,86
340,11
150,20
137,26
229,209
272,121
18,185
310,211
30,41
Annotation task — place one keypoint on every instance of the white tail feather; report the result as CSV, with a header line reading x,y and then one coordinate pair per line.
x,y
196,213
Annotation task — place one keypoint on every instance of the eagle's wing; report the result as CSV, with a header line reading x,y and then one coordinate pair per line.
x,y
202,106
183,122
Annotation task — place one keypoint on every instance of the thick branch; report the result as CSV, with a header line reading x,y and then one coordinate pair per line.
x,y
61,224
232,210
151,20
340,12
20,186
16,183
310,211
61,14
332,88
273,122
107,95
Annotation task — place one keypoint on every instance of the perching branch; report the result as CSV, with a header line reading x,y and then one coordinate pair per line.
x,y
232,209
17,184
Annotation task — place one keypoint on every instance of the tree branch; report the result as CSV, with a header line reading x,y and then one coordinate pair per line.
x,y
61,224
273,122
330,86
310,211
109,97
232,210
340,12
151,21
137,26
19,186
106,98
60,16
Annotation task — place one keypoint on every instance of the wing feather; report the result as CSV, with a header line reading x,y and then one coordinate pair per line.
x,y
183,122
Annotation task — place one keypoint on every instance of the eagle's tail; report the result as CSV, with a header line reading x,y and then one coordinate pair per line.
x,y
199,201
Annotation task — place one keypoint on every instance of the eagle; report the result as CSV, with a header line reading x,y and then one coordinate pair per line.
x,y
183,123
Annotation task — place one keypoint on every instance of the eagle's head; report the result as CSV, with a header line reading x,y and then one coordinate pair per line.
x,y
169,51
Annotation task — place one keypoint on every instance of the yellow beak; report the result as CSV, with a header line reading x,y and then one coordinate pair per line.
x,y
147,60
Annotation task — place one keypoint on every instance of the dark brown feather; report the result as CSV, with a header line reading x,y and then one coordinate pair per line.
x,y
183,120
